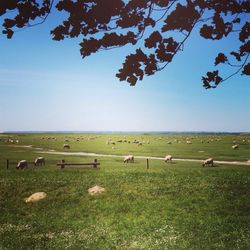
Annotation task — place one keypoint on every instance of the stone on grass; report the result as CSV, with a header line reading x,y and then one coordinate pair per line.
x,y
96,190
35,197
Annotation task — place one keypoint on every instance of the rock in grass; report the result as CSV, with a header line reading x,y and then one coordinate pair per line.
x,y
35,197
96,190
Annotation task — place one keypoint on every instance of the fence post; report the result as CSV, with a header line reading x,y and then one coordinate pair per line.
x,y
147,164
94,164
62,164
7,164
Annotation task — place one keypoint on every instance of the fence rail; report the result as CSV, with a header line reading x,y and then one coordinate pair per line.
x,y
94,164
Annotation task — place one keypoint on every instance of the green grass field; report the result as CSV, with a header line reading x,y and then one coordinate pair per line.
x,y
178,205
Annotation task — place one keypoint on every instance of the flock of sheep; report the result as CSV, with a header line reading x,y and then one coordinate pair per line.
x,y
169,158
139,143
39,161
129,158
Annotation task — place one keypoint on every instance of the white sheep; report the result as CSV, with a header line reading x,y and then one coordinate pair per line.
x,y
22,164
208,162
39,161
236,146
128,158
66,146
168,158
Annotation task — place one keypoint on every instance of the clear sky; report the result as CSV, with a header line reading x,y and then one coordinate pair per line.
x,y
46,85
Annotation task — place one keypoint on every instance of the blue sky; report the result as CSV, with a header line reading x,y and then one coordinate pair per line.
x,y
46,85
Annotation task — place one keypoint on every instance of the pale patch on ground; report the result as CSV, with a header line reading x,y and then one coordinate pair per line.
x,y
7,227
96,190
201,151
160,238
35,197
20,146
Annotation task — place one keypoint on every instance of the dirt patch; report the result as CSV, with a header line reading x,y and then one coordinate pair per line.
x,y
96,190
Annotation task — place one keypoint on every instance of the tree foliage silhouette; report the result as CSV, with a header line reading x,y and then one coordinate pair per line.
x,y
163,26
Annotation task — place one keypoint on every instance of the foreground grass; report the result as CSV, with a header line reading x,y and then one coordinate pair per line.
x,y
179,206
168,206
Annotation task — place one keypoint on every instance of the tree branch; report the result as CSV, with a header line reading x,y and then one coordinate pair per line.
x,y
236,72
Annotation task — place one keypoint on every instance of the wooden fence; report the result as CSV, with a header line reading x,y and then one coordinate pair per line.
x,y
94,164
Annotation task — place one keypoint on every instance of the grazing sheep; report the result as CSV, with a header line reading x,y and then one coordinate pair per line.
x,y
168,158
235,146
39,161
140,144
128,158
66,146
189,142
208,162
110,142
22,164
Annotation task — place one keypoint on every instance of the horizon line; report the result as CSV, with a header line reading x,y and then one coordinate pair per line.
x,y
122,131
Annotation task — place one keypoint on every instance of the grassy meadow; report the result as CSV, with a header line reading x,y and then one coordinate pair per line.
x,y
178,205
